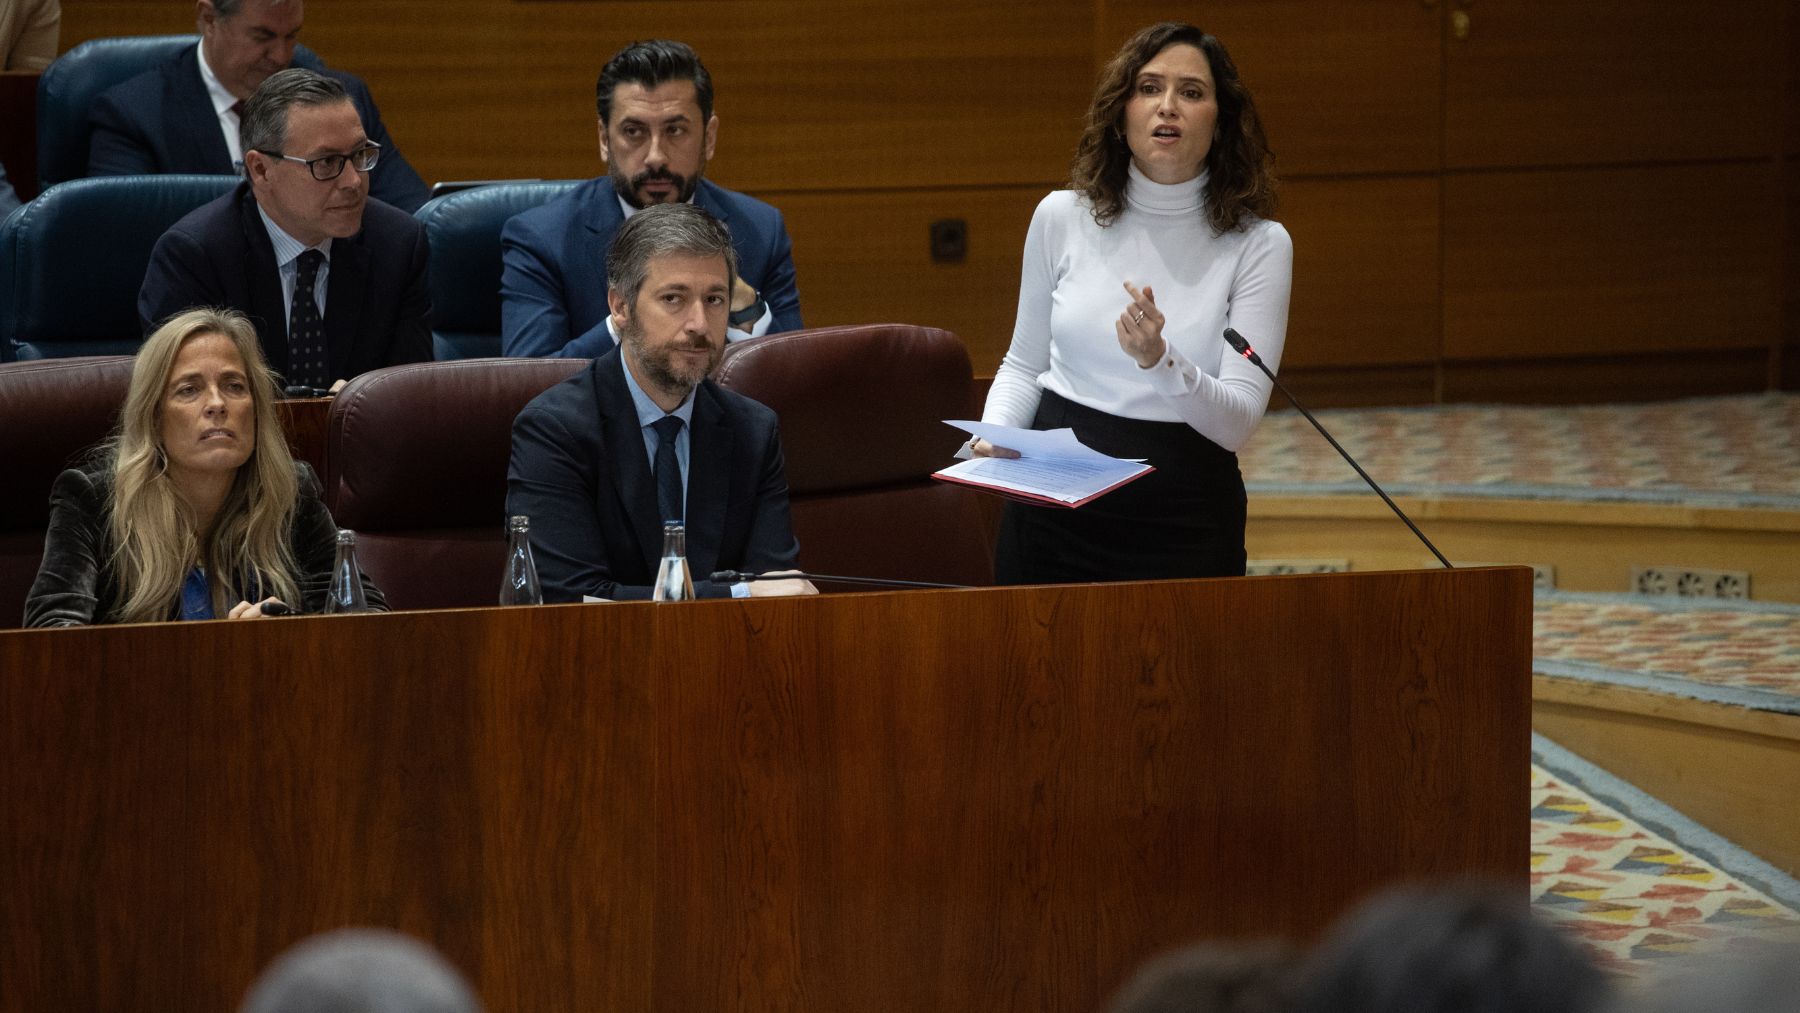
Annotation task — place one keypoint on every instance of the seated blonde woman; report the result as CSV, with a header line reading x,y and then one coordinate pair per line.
x,y
194,509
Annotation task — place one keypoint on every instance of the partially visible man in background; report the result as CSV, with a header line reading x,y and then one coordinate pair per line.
x,y
657,132
183,115
28,30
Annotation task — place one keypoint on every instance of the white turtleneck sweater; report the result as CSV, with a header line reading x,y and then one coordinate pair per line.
x,y
1071,292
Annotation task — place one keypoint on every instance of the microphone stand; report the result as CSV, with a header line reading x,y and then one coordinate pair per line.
x,y
1242,347
732,577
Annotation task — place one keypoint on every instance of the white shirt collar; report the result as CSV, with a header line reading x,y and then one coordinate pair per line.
x,y
629,210
222,99
287,248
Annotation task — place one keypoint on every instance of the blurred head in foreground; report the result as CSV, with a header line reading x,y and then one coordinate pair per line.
x,y
361,971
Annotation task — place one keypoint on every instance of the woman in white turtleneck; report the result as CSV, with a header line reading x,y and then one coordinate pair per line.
x,y
1129,280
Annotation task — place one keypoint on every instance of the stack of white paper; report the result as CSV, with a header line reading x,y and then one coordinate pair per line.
x,y
1052,468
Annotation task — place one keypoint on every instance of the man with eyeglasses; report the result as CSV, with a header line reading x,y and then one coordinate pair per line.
x,y
183,115
334,281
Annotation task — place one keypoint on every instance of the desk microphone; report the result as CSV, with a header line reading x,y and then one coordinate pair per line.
x,y
732,577
1242,347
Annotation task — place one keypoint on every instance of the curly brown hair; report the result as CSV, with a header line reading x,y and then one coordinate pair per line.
x,y
1240,167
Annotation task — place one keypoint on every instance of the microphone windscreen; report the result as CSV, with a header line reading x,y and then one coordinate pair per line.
x,y
1237,342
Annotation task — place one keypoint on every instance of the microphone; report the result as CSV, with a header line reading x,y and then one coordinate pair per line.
x,y
732,577
1242,347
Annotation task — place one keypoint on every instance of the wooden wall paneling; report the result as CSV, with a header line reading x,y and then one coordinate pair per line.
x,y
1628,376
1610,261
1343,86
864,257
1366,277
1785,367
1546,82
1358,386
1791,95
867,94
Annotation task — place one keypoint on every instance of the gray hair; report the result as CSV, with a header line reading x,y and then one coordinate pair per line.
x,y
361,971
229,8
263,127
662,230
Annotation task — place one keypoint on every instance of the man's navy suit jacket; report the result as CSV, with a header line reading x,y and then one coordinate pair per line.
x,y
162,121
580,471
553,275
377,307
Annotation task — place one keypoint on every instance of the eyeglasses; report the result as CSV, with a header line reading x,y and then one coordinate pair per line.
x,y
329,167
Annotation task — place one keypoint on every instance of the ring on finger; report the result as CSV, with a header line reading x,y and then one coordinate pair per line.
x,y
1138,317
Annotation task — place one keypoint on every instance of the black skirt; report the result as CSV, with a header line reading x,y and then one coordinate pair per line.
x,y
1185,519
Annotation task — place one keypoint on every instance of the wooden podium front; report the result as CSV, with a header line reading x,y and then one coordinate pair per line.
x,y
996,799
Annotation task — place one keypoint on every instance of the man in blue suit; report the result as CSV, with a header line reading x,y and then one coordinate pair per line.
x,y
183,115
657,131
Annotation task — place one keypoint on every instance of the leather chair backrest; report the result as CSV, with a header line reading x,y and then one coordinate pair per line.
x,y
417,459
862,414
51,413
72,261
463,229
72,82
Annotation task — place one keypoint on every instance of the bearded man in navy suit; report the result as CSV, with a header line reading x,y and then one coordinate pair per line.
x,y
657,132
642,436
333,280
183,115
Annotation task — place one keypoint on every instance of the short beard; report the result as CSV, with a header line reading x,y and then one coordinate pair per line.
x,y
627,189
656,366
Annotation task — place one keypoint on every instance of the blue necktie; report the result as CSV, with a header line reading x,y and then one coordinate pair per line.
x,y
669,498
307,362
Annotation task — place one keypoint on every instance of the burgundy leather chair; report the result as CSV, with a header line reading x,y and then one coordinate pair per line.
x,y
416,458
862,413
51,411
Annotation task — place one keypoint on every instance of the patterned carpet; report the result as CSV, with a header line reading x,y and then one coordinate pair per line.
x,y
1720,650
1635,882
1741,451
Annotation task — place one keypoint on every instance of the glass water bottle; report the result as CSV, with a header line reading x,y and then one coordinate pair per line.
x,y
519,584
673,582
346,577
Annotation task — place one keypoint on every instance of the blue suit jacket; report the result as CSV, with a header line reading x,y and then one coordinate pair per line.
x,y
553,275
580,472
377,308
162,121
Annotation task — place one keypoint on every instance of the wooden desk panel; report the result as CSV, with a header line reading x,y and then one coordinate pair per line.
x,y
962,800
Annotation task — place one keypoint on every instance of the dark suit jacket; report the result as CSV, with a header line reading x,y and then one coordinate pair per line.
x,y
580,472
553,274
377,308
162,121
76,586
